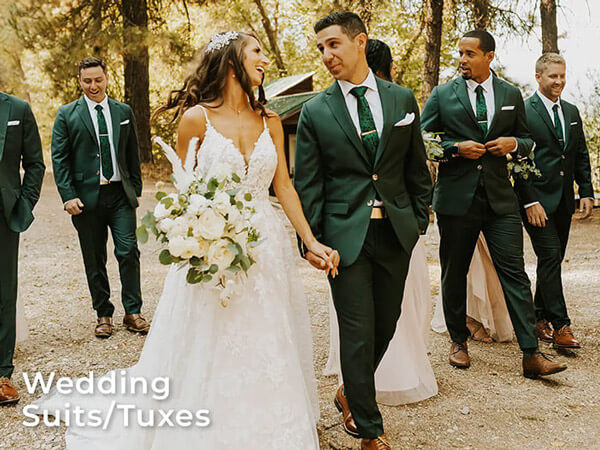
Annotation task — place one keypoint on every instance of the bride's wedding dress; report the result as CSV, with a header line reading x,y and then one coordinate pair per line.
x,y
250,363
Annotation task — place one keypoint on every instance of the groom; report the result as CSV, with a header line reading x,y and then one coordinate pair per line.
x,y
365,189
20,146
482,119
97,172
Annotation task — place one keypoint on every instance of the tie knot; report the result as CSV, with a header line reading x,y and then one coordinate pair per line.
x,y
555,108
358,91
98,108
479,89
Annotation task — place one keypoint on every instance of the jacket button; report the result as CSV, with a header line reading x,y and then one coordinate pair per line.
x,y
375,177
479,167
97,172
562,174
97,155
370,203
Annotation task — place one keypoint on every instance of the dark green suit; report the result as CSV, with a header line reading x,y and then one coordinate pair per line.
x,y
471,196
76,162
20,145
337,183
554,190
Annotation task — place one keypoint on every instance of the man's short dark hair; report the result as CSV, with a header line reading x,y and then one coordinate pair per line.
x,y
91,61
351,23
486,40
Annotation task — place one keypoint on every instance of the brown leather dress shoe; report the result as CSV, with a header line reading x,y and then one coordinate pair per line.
x,y
8,393
136,323
104,327
341,403
379,443
459,355
540,365
544,331
564,338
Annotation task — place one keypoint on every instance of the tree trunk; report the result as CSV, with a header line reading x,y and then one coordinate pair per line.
x,y
136,73
272,37
481,14
549,27
365,11
433,12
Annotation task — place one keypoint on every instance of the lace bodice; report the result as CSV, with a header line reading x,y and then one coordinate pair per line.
x,y
256,175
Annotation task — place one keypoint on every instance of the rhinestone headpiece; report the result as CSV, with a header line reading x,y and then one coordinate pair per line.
x,y
220,40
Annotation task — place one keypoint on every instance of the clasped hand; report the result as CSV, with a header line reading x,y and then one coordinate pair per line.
x,y
475,150
323,258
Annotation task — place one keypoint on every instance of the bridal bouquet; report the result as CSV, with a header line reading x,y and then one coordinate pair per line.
x,y
522,167
206,226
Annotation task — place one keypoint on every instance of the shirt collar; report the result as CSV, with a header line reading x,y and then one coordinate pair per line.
x,y
549,104
369,82
487,85
92,104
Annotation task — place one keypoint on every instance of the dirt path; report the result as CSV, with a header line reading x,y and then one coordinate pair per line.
x,y
490,406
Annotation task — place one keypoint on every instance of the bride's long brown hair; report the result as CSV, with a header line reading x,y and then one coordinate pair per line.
x,y
207,82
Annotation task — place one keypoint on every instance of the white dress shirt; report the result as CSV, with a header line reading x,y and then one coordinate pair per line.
x,y
549,104
488,95
107,118
372,96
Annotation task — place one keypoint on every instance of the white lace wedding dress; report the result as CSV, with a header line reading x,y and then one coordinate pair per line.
x,y
250,363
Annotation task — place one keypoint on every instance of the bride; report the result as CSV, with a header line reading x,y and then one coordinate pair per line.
x,y
249,364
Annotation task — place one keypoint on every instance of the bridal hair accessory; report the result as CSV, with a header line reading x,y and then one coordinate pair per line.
x,y
220,40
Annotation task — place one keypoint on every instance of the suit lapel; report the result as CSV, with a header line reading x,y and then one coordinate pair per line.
x,y
387,105
543,112
84,114
499,93
460,88
115,117
4,115
337,105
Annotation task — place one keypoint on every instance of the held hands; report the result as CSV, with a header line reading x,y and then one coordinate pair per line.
x,y
536,215
585,206
499,147
323,258
74,206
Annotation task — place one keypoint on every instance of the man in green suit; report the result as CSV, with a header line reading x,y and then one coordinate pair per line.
x,y
97,172
562,157
362,178
482,120
20,146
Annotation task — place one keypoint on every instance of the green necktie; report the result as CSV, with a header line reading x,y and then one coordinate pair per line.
x,y
105,156
481,109
368,131
558,128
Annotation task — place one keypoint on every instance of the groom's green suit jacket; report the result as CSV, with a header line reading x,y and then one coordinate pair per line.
x,y
559,168
76,153
337,182
448,111
19,145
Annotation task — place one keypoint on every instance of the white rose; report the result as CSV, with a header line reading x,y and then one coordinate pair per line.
x,y
198,203
210,225
166,224
179,227
184,247
160,211
222,202
219,254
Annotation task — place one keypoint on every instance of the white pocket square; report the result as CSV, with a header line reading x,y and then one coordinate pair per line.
x,y
573,123
408,119
125,122
13,123
508,108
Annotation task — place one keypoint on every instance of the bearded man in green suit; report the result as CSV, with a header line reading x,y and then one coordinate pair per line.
x,y
548,202
362,178
20,146
97,172
481,119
